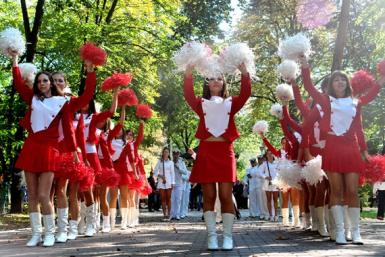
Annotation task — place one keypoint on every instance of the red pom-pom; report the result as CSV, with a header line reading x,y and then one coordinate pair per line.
x,y
143,111
361,81
375,169
116,80
381,67
87,182
361,180
96,55
108,177
127,97
146,189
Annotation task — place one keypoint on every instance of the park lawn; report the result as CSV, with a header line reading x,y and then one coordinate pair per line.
x,y
369,214
14,221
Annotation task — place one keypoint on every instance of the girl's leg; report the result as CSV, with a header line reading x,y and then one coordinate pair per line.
x,y
33,208
74,210
209,195
44,189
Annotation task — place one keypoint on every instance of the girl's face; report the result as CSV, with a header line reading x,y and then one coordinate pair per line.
x,y
84,109
59,81
215,85
269,155
339,85
283,142
165,154
44,84
130,136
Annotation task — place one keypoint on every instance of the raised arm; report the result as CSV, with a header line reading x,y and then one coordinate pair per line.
x,y
371,94
245,92
302,107
188,90
25,92
269,146
289,120
140,136
80,137
81,101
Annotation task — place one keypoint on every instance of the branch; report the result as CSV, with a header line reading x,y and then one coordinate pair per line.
x,y
111,11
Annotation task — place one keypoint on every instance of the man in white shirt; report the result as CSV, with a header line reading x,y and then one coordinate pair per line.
x,y
252,179
185,195
180,175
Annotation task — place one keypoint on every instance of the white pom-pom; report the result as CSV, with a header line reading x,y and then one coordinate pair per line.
x,y
11,39
288,70
210,67
284,92
276,110
191,53
312,172
27,70
98,106
67,90
289,172
292,47
261,126
236,54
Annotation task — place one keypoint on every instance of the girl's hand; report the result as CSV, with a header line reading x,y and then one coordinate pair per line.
x,y
76,157
89,66
243,68
303,61
14,57
189,70
365,155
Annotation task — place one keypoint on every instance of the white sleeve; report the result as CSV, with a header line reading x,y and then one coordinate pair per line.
x,y
183,168
262,170
156,170
172,174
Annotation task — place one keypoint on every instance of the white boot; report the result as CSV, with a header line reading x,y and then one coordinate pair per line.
x,y
131,217
331,227
314,221
306,223
354,215
73,230
228,220
49,230
124,214
348,233
35,221
106,224
113,217
97,217
320,211
212,238
338,216
285,216
90,221
82,221
136,217
296,216
62,222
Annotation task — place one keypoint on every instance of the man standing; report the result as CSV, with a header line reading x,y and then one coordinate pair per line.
x,y
379,190
176,195
152,198
185,195
253,180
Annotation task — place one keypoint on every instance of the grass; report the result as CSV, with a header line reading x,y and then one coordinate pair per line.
x,y
14,221
369,214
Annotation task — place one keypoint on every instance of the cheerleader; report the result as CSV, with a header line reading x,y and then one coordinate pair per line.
x,y
165,174
215,161
342,153
92,122
40,150
61,182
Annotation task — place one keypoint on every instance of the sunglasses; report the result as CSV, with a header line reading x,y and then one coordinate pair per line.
x,y
214,79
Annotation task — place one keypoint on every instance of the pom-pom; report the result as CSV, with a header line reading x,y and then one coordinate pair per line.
x,y
261,126
127,97
276,110
191,54
116,80
289,172
381,68
284,92
312,172
67,168
88,180
107,177
146,189
292,47
315,13
27,70
11,39
236,54
288,70
361,81
375,169
96,55
143,111
210,67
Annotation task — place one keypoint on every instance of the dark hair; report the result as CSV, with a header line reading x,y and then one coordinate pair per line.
x,y
60,73
325,84
165,148
330,90
283,139
265,155
206,89
91,108
38,93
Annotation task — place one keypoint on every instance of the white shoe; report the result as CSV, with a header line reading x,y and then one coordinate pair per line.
x,y
90,222
124,214
275,218
97,217
296,222
285,216
271,218
338,216
82,222
62,222
348,234
314,220
113,217
354,215
106,224
212,238
320,211
228,221
35,221
331,227
73,230
49,230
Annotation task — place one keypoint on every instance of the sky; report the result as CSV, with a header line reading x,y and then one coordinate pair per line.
x,y
236,15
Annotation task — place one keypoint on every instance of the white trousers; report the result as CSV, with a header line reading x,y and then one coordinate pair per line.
x,y
176,201
185,199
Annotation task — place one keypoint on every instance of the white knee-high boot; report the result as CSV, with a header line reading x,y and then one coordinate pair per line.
x,y
354,215
228,221
314,221
320,211
212,238
338,216
285,216
82,221
90,221
106,224
348,233
36,227
296,216
73,230
113,217
62,222
123,213
130,217
49,230
331,227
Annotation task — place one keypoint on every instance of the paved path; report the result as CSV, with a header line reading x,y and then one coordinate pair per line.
x,y
188,238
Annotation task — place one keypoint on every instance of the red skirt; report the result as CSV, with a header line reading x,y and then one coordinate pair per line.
x,y
215,162
121,169
38,154
341,154
94,162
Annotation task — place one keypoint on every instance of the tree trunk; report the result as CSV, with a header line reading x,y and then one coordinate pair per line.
x,y
341,36
16,194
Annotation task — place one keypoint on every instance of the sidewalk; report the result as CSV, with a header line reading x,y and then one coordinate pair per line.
x,y
188,238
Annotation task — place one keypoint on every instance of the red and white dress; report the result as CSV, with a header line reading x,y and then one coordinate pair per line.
x,y
40,149
342,127
215,161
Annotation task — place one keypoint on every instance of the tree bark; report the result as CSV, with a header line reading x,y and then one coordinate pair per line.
x,y
342,33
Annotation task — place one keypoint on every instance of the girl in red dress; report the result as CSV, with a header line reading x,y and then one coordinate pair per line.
x,y
215,162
